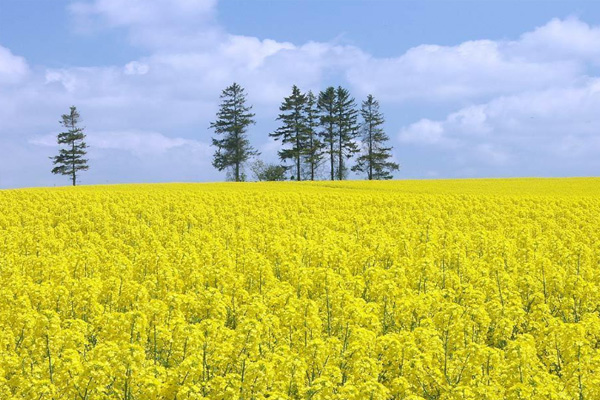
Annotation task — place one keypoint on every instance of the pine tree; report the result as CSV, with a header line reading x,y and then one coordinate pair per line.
x,y
293,130
70,159
327,110
314,148
347,128
233,119
375,156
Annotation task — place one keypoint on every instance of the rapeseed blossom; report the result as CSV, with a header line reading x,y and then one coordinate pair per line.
x,y
482,289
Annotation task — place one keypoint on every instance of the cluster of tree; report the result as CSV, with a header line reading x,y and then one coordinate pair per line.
x,y
313,131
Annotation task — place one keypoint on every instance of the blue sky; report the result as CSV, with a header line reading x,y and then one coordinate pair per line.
x,y
469,89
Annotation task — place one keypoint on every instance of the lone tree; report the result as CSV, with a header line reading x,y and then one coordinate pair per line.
x,y
327,110
233,119
346,116
70,159
313,152
293,131
375,156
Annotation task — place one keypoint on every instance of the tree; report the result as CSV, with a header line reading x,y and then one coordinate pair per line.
x,y
233,119
293,130
71,158
268,172
375,155
313,153
327,109
346,116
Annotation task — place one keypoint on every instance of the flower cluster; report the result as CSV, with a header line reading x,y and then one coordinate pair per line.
x,y
484,289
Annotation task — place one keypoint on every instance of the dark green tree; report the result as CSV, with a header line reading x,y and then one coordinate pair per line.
x,y
313,154
233,119
346,116
71,157
327,110
375,156
293,130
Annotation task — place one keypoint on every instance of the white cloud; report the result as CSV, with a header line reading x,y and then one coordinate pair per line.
x,y
186,39
492,154
144,12
152,23
143,143
12,68
532,128
425,131
136,142
472,120
136,68
48,140
471,70
64,78
566,39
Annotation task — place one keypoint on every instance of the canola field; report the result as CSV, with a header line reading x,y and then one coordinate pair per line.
x,y
453,289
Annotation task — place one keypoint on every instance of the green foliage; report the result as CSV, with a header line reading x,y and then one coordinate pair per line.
x,y
327,109
233,119
268,172
313,152
71,157
338,117
375,156
347,128
294,129
312,129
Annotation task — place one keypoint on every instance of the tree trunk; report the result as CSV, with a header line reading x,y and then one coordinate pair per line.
x,y
370,152
312,160
237,157
73,162
73,149
332,159
297,156
341,161
237,139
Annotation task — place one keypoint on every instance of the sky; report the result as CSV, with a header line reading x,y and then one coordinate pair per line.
x,y
484,88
